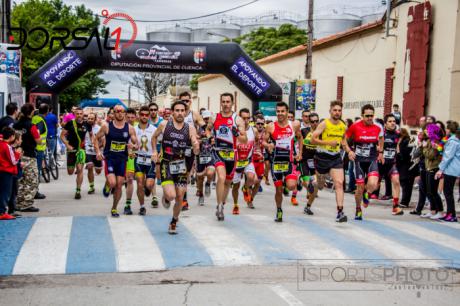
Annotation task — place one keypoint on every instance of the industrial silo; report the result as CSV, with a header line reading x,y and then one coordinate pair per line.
x,y
326,25
172,34
266,22
215,32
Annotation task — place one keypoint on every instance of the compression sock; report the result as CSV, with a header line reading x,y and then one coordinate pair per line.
x,y
395,202
128,202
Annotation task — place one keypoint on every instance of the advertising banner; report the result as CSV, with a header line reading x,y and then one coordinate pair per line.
x,y
305,95
268,109
250,77
63,67
10,61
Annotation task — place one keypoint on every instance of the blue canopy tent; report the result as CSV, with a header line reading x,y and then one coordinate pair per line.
x,y
101,102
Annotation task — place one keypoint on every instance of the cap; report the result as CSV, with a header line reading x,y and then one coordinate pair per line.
x,y
206,114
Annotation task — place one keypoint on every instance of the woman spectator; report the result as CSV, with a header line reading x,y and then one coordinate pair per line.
x,y
408,170
449,168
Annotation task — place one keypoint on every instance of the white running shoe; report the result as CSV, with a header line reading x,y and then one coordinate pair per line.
x,y
166,204
427,215
437,216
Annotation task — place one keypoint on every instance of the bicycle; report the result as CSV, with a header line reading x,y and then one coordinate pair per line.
x,y
50,167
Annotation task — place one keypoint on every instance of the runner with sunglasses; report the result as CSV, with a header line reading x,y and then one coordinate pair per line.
x,y
155,120
258,157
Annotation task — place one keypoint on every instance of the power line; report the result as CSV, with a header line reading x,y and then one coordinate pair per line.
x,y
190,18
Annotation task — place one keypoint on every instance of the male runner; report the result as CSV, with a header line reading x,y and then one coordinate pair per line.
x,y
118,134
387,167
244,165
258,157
204,162
144,167
227,127
92,164
307,164
179,138
328,136
291,117
130,168
155,120
282,133
73,136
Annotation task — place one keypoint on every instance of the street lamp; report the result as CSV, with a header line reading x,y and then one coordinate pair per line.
x,y
220,35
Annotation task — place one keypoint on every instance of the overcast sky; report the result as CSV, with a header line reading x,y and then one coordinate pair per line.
x,y
172,9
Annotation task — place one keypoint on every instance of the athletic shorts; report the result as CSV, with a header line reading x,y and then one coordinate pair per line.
x,y
115,166
147,170
203,162
282,170
325,162
222,159
130,168
388,169
71,159
365,169
307,169
92,160
168,178
259,166
239,173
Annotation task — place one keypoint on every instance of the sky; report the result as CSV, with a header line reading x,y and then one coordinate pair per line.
x,y
175,9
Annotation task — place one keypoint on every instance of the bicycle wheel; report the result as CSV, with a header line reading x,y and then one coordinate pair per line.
x,y
54,169
45,169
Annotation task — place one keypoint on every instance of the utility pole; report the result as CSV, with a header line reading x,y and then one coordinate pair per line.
x,y
129,95
308,65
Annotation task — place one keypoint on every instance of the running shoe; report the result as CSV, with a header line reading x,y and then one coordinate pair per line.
x,y
437,216
7,216
207,190
220,212
201,201
267,182
115,213
91,190
213,185
374,197
236,209
154,202
106,191
260,189
185,205
415,212
449,218
307,211
427,215
385,198
294,201
250,205
279,215
341,217
359,215
397,211
77,196
147,192
166,204
127,210
142,211
403,205
365,199
246,195
172,228
310,187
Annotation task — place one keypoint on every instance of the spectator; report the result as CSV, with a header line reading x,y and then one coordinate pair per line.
x,y
408,170
69,116
450,169
397,114
52,125
8,169
11,116
28,183
40,122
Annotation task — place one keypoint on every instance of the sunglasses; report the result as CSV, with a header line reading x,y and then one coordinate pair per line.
x,y
369,116
260,123
119,111
154,109
314,121
186,101
144,115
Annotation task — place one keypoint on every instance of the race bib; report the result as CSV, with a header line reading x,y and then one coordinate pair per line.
x,y
227,155
284,143
205,159
177,167
242,163
280,167
116,146
389,153
363,150
188,152
144,160
311,163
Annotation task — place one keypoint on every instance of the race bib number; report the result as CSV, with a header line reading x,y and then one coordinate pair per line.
x,y
242,163
363,151
117,146
144,160
281,167
227,155
205,159
311,163
177,167
284,143
389,153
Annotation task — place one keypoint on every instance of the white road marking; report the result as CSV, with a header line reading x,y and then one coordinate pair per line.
x,y
286,295
45,249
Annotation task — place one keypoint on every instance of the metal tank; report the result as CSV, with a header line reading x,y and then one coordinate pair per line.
x,y
371,18
215,32
173,34
273,22
326,25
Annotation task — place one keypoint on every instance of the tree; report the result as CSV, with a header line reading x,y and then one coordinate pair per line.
x,y
50,14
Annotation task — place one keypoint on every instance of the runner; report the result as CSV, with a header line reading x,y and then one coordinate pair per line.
x,y
387,167
244,165
227,127
92,164
328,136
130,168
73,136
204,164
258,157
283,168
144,167
155,120
117,135
291,117
307,167
178,140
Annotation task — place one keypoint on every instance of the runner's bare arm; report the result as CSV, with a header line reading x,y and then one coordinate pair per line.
x,y
133,137
198,119
63,137
265,143
155,136
100,134
299,136
315,135
380,150
194,139
242,138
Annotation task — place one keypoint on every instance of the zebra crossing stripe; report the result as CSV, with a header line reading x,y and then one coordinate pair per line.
x,y
45,249
135,247
223,246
